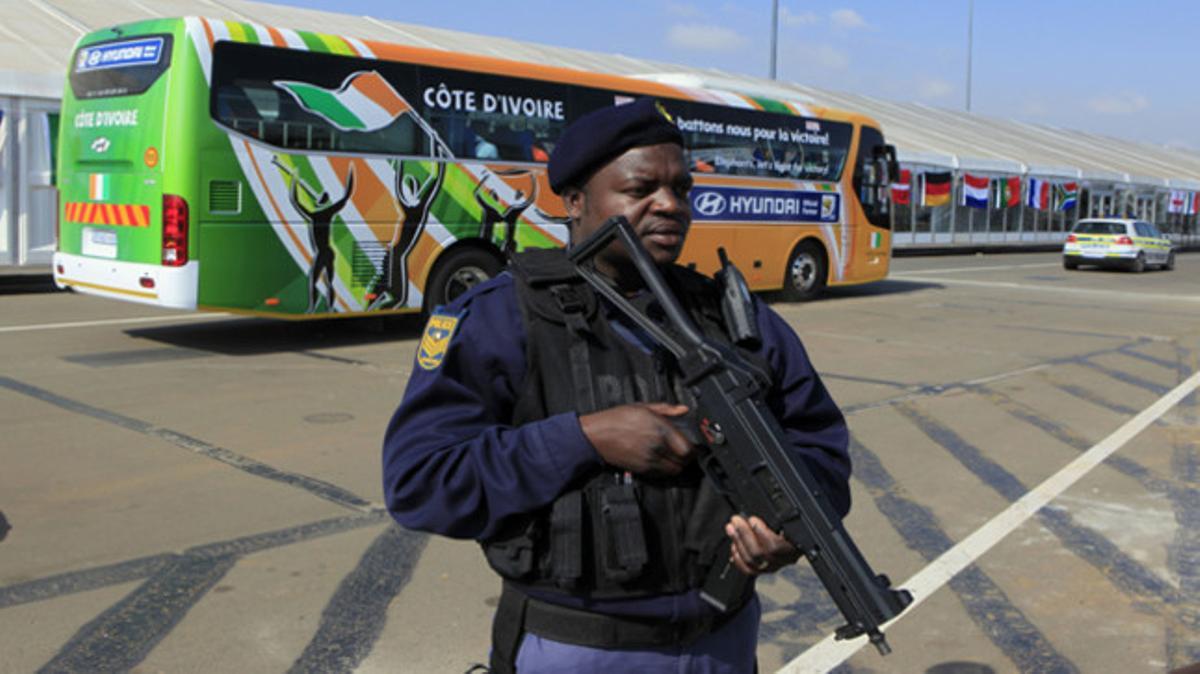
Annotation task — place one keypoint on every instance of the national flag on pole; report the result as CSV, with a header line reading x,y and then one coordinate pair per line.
x,y
364,102
937,189
1066,195
902,189
975,191
1008,192
98,186
1177,202
1189,203
1038,195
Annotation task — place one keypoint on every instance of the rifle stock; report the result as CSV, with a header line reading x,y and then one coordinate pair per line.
x,y
743,453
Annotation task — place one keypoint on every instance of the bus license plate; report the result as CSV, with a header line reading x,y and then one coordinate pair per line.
x,y
99,242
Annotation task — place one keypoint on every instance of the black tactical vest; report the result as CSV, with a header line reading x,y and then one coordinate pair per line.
x,y
613,535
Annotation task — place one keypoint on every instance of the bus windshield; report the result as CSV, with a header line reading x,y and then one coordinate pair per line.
x,y
122,67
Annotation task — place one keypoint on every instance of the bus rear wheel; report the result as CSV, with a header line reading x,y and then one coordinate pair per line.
x,y
457,273
806,272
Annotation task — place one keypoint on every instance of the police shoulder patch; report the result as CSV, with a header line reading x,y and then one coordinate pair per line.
x,y
436,339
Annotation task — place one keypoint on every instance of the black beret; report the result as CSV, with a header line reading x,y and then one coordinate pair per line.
x,y
600,136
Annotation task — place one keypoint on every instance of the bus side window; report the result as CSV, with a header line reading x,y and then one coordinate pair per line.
x,y
491,117
732,141
236,111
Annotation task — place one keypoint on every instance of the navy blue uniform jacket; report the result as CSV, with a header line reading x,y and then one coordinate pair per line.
x,y
453,464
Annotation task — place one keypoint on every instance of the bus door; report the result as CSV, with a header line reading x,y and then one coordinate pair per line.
x,y
874,170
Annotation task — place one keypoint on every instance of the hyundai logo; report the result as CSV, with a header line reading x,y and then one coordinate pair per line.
x,y
709,204
100,145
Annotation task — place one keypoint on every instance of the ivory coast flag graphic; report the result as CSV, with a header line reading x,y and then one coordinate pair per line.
x,y
97,186
364,102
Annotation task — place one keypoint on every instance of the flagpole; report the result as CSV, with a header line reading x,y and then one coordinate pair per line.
x,y
970,31
774,34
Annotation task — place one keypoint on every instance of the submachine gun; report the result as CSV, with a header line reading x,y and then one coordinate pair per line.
x,y
742,450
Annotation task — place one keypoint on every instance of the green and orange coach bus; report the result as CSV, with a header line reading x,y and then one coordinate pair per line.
x,y
221,165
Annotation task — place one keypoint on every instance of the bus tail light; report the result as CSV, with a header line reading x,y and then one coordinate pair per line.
x,y
1124,241
174,231
1071,238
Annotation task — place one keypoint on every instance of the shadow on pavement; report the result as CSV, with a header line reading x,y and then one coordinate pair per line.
x,y
23,284
254,336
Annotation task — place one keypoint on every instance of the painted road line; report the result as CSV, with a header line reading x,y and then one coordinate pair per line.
x,y
1058,290
829,653
956,270
1006,375
111,321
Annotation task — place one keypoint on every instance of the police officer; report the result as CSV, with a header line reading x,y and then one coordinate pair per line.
x,y
543,424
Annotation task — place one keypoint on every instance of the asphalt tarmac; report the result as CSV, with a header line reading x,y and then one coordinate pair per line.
x,y
198,492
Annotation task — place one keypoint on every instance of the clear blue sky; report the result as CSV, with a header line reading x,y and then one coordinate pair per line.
x,y
1117,67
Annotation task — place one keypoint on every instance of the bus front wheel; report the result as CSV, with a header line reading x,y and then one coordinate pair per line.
x,y
457,273
806,272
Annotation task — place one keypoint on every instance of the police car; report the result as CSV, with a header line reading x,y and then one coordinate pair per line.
x,y
1132,244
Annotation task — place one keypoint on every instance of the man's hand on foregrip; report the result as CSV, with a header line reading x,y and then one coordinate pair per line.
x,y
755,549
640,437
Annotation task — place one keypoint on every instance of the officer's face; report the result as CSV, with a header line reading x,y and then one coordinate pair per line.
x,y
649,186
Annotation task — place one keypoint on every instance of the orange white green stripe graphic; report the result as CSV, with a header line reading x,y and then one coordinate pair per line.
x,y
98,185
128,215
364,102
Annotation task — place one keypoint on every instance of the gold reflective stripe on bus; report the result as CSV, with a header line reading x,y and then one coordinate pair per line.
x,y
257,313
108,289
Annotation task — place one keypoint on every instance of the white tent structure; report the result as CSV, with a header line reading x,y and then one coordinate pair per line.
x,y
1116,176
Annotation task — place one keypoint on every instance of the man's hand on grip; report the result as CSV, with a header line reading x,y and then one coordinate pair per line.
x,y
640,437
756,549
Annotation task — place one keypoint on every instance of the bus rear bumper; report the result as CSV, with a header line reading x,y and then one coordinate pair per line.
x,y
172,287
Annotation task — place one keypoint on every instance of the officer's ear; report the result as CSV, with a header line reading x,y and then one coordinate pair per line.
x,y
574,201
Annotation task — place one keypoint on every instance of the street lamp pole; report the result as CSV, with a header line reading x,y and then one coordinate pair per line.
x,y
970,31
774,33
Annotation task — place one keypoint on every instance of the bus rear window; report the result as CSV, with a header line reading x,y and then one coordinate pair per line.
x,y
121,67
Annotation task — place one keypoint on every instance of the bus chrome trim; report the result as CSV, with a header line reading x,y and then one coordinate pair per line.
x,y
174,287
